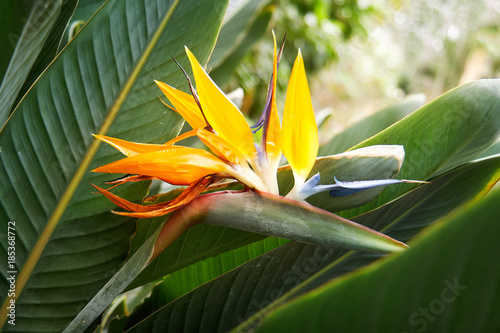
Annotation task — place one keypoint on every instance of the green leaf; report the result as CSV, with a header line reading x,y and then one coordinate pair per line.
x,y
493,150
53,45
83,12
203,241
113,287
459,125
239,18
101,83
252,34
370,125
36,30
198,243
262,284
424,288
11,26
407,216
177,284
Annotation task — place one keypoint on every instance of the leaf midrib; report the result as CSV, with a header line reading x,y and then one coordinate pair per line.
x,y
80,172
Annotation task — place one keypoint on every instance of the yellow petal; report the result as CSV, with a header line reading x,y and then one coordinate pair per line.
x,y
184,104
221,113
300,133
178,166
129,148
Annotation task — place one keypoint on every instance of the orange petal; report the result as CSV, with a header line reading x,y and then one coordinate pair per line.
x,y
218,145
184,104
221,113
125,204
188,195
181,137
123,180
129,148
221,147
300,133
180,166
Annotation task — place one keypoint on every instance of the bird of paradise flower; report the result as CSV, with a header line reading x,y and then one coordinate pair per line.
x,y
219,124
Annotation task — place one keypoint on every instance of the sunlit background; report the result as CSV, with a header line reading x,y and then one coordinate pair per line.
x,y
364,55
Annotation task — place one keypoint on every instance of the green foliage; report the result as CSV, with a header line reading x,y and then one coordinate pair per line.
x,y
101,83
440,293
73,257
301,268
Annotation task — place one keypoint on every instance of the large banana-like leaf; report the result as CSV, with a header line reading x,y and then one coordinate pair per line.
x,y
11,28
409,215
83,12
113,287
36,30
242,44
67,244
53,45
180,282
443,134
447,282
239,17
275,278
493,150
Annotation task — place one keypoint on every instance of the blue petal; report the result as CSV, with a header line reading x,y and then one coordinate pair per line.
x,y
347,188
340,188
310,185
258,125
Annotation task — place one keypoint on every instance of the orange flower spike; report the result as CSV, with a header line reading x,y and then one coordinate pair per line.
x,y
188,195
221,113
181,137
137,210
175,164
184,104
179,165
123,203
300,133
129,148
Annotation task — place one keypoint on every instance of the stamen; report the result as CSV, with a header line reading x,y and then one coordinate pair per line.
x,y
281,48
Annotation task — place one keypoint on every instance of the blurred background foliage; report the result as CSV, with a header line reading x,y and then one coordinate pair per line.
x,y
361,55
364,55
